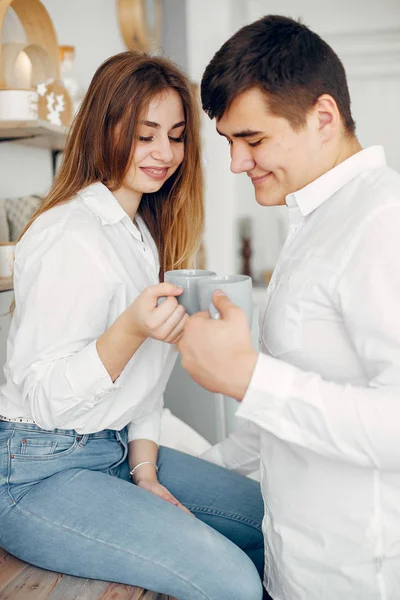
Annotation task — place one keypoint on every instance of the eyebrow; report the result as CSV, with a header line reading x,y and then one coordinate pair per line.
x,y
157,125
242,134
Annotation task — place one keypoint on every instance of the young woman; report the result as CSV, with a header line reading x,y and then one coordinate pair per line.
x,y
84,488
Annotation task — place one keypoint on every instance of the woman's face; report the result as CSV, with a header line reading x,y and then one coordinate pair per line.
x,y
159,144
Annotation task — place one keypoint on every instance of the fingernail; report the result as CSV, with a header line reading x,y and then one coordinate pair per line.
x,y
219,293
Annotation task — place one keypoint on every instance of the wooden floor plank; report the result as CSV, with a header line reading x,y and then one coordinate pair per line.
x,y
118,591
10,568
31,584
3,555
21,581
77,588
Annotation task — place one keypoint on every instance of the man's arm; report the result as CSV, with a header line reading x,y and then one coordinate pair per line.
x,y
359,425
240,451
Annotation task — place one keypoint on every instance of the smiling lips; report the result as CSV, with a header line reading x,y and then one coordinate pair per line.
x,y
260,179
157,173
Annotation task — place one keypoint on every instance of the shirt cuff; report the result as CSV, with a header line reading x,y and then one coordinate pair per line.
x,y
269,386
146,428
87,375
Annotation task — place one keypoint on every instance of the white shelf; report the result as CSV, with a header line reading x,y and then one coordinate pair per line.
x,y
34,133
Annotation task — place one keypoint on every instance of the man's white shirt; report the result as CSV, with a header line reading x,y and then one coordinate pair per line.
x,y
323,404
78,267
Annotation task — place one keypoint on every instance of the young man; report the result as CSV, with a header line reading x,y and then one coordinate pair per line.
x,y
322,397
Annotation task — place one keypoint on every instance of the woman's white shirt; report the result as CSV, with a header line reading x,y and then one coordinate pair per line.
x,y
77,268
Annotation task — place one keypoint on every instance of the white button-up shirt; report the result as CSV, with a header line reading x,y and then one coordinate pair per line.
x,y
323,405
76,270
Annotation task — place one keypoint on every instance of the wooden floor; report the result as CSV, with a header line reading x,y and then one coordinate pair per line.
x,y
20,581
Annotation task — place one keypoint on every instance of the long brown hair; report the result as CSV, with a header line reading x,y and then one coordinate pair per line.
x,y
119,94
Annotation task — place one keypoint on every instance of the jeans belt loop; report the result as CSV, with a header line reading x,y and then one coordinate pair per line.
x,y
82,439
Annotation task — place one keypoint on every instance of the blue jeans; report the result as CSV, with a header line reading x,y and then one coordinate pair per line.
x,y
67,504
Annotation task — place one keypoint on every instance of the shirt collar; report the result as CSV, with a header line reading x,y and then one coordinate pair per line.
x,y
315,193
105,205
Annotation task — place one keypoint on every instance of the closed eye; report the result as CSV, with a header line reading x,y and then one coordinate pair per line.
x,y
178,139
143,138
254,144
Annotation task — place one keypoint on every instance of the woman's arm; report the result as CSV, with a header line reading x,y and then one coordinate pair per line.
x,y
143,451
63,292
142,319
145,476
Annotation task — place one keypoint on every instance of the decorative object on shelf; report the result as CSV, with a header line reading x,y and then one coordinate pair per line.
x,y
4,229
18,105
24,66
140,24
30,71
69,77
7,253
41,48
18,211
55,104
245,249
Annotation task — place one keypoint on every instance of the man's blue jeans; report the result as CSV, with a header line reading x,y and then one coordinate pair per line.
x,y
67,504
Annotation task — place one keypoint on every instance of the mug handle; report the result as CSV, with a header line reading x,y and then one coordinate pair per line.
x,y
161,299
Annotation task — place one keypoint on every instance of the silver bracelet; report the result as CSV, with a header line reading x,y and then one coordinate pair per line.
x,y
145,462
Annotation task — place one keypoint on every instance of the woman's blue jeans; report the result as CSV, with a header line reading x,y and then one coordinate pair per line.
x,y
67,504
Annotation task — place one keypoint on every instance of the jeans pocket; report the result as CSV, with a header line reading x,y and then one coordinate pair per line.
x,y
5,435
4,456
37,455
37,445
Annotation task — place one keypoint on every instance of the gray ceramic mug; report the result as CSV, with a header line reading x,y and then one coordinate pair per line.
x,y
188,280
238,288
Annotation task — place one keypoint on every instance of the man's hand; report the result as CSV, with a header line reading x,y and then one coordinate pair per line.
x,y
218,354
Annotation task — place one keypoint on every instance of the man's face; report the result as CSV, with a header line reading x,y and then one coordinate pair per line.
x,y
278,159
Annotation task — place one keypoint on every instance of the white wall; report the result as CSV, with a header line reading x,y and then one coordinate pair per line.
x,y
209,24
326,16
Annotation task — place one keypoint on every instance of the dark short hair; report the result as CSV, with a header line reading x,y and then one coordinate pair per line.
x,y
282,57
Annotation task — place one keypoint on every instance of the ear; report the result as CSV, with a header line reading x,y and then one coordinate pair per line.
x,y
327,115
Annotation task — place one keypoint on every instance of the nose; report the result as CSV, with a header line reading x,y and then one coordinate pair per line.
x,y
241,159
163,150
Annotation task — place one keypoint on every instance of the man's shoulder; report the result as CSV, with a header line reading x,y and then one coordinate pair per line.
x,y
373,190
382,180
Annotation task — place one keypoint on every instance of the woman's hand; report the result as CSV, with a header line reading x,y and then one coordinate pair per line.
x,y
165,322
142,319
156,488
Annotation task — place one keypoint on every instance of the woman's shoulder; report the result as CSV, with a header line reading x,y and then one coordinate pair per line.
x,y
69,222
